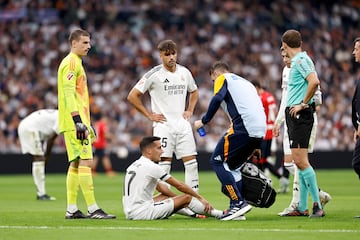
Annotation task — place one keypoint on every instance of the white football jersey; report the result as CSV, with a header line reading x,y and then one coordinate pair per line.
x,y
285,77
140,183
44,121
168,90
280,118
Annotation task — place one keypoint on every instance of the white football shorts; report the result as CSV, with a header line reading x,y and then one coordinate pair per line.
x,y
286,143
152,211
30,141
176,137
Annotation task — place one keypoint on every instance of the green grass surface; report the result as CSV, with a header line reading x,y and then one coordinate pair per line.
x,y
23,217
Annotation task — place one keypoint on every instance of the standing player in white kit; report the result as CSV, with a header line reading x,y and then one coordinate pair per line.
x,y
37,133
168,85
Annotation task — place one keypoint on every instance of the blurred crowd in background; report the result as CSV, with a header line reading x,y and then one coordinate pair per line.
x,y
124,36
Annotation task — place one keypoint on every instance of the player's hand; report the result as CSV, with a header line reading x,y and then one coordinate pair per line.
x,y
198,124
276,130
206,204
187,115
256,154
295,109
356,134
81,131
154,117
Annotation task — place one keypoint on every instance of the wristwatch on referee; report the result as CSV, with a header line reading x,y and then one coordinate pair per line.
x,y
304,105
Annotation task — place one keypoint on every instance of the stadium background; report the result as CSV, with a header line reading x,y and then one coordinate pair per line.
x,y
247,34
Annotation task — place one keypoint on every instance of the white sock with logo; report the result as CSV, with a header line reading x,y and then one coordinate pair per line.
x,y
192,174
166,165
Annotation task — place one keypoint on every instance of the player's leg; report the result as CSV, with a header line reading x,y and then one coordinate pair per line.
x,y
80,156
72,178
167,144
324,196
97,156
191,172
31,143
106,162
38,172
236,151
186,150
194,205
299,134
356,158
292,168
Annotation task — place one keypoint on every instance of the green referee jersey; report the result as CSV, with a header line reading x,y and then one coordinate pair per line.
x,y
301,67
72,92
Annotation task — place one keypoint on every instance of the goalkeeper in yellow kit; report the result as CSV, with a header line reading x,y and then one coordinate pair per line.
x,y
74,123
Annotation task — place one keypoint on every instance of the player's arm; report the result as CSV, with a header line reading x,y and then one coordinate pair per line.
x,y
69,78
212,109
214,104
134,97
163,189
49,145
193,98
182,187
69,86
313,83
280,118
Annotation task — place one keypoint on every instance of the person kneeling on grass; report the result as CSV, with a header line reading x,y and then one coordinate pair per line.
x,y
144,176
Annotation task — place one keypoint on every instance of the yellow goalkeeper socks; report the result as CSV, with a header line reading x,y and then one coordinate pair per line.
x,y
72,187
86,184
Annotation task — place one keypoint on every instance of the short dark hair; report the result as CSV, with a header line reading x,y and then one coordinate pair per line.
x,y
219,65
76,34
256,83
167,46
292,38
147,141
357,40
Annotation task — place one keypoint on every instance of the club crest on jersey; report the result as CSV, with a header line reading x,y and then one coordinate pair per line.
x,y
84,150
70,76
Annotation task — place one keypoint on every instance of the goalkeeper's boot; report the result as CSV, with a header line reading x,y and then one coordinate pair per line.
x,y
236,211
317,212
324,198
45,197
75,215
100,214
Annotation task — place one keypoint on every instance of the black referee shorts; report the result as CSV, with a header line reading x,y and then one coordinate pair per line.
x,y
299,127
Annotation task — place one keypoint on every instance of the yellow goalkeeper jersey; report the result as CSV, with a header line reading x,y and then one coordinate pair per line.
x,y
72,92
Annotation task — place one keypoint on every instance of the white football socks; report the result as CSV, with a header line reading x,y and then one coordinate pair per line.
x,y
38,172
166,165
192,174
196,206
290,166
296,188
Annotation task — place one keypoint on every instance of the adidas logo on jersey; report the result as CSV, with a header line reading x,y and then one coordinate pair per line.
x,y
218,158
166,80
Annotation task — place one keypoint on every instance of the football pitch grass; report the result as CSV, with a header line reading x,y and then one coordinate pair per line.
x,y
23,217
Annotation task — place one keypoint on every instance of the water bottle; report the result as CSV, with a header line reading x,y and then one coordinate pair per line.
x,y
201,131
